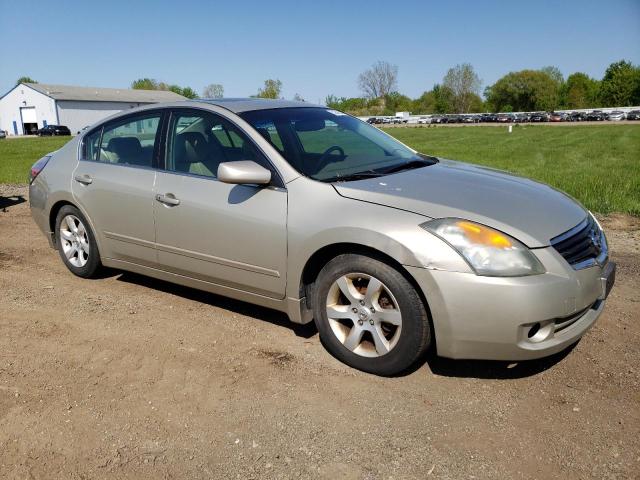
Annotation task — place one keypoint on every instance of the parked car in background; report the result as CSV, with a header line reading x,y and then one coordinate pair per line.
x,y
633,115
504,118
53,130
425,119
596,116
3,134
520,117
615,116
371,240
577,117
539,117
438,119
488,117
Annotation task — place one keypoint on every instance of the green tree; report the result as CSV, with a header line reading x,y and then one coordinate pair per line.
x,y
425,103
25,79
272,89
214,90
333,101
580,91
554,73
464,84
526,90
620,86
353,106
476,104
396,102
152,84
187,92
145,84
443,99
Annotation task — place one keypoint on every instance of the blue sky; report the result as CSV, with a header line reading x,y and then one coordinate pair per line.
x,y
315,47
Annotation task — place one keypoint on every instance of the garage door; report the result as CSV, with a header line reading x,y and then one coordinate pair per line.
x,y
28,115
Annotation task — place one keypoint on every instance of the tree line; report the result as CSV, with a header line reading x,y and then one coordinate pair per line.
x,y
527,90
272,89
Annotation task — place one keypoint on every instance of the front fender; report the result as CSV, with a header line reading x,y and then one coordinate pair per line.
x,y
325,218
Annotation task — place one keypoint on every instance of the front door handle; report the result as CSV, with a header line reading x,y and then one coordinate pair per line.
x,y
168,199
84,179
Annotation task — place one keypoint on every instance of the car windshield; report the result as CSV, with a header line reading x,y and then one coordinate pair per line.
x,y
329,146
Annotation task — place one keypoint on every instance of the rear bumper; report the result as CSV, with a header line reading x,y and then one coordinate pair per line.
x,y
521,318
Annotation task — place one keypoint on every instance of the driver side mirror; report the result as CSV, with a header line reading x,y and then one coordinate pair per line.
x,y
243,172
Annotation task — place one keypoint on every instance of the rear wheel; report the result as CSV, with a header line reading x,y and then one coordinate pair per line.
x,y
76,243
369,315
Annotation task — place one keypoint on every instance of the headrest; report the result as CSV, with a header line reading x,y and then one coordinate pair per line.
x,y
191,147
124,146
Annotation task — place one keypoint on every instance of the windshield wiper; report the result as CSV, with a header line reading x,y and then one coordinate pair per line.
x,y
410,165
354,176
425,161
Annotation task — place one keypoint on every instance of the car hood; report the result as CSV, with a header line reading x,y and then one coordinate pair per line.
x,y
529,211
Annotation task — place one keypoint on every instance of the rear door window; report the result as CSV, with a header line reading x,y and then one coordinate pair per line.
x,y
130,141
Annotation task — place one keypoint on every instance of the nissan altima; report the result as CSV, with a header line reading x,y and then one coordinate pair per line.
x,y
312,212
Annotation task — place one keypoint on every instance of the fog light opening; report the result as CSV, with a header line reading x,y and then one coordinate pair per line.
x,y
533,330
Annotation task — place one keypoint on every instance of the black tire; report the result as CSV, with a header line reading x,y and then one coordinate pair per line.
x,y
415,334
93,264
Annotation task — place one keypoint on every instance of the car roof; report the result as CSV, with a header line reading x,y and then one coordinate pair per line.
x,y
239,105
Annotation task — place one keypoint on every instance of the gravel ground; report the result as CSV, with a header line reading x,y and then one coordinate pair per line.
x,y
127,377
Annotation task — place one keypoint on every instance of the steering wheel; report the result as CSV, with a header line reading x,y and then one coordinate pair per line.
x,y
324,159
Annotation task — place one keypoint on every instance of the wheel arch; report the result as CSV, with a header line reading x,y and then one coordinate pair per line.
x,y
322,256
53,214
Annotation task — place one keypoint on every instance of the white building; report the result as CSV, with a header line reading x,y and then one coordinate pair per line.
x,y
29,106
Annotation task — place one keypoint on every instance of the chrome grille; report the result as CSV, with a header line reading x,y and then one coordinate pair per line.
x,y
582,246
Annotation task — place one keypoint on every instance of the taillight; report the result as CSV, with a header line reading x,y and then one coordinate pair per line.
x,y
37,167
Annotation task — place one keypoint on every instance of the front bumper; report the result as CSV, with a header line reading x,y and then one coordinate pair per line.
x,y
517,318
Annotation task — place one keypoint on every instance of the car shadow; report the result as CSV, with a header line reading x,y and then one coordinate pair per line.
x,y
236,306
6,202
445,367
493,369
241,193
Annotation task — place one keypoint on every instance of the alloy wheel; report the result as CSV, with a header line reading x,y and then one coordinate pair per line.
x,y
74,241
364,315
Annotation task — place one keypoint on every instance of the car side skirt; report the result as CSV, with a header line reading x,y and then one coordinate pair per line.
x,y
295,308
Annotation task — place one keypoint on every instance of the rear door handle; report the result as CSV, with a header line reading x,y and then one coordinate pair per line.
x,y
168,199
83,179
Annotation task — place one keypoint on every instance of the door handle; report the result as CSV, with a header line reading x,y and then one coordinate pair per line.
x,y
83,179
168,199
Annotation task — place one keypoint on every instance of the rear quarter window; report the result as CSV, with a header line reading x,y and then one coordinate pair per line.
x,y
91,145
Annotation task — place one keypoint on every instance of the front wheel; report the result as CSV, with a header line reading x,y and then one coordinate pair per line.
x,y
369,316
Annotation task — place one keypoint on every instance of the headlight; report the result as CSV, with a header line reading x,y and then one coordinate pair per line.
x,y
487,251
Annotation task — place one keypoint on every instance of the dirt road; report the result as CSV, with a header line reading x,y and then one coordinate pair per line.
x,y
126,377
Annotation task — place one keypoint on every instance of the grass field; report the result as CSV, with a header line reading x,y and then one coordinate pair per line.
x,y
18,154
598,165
